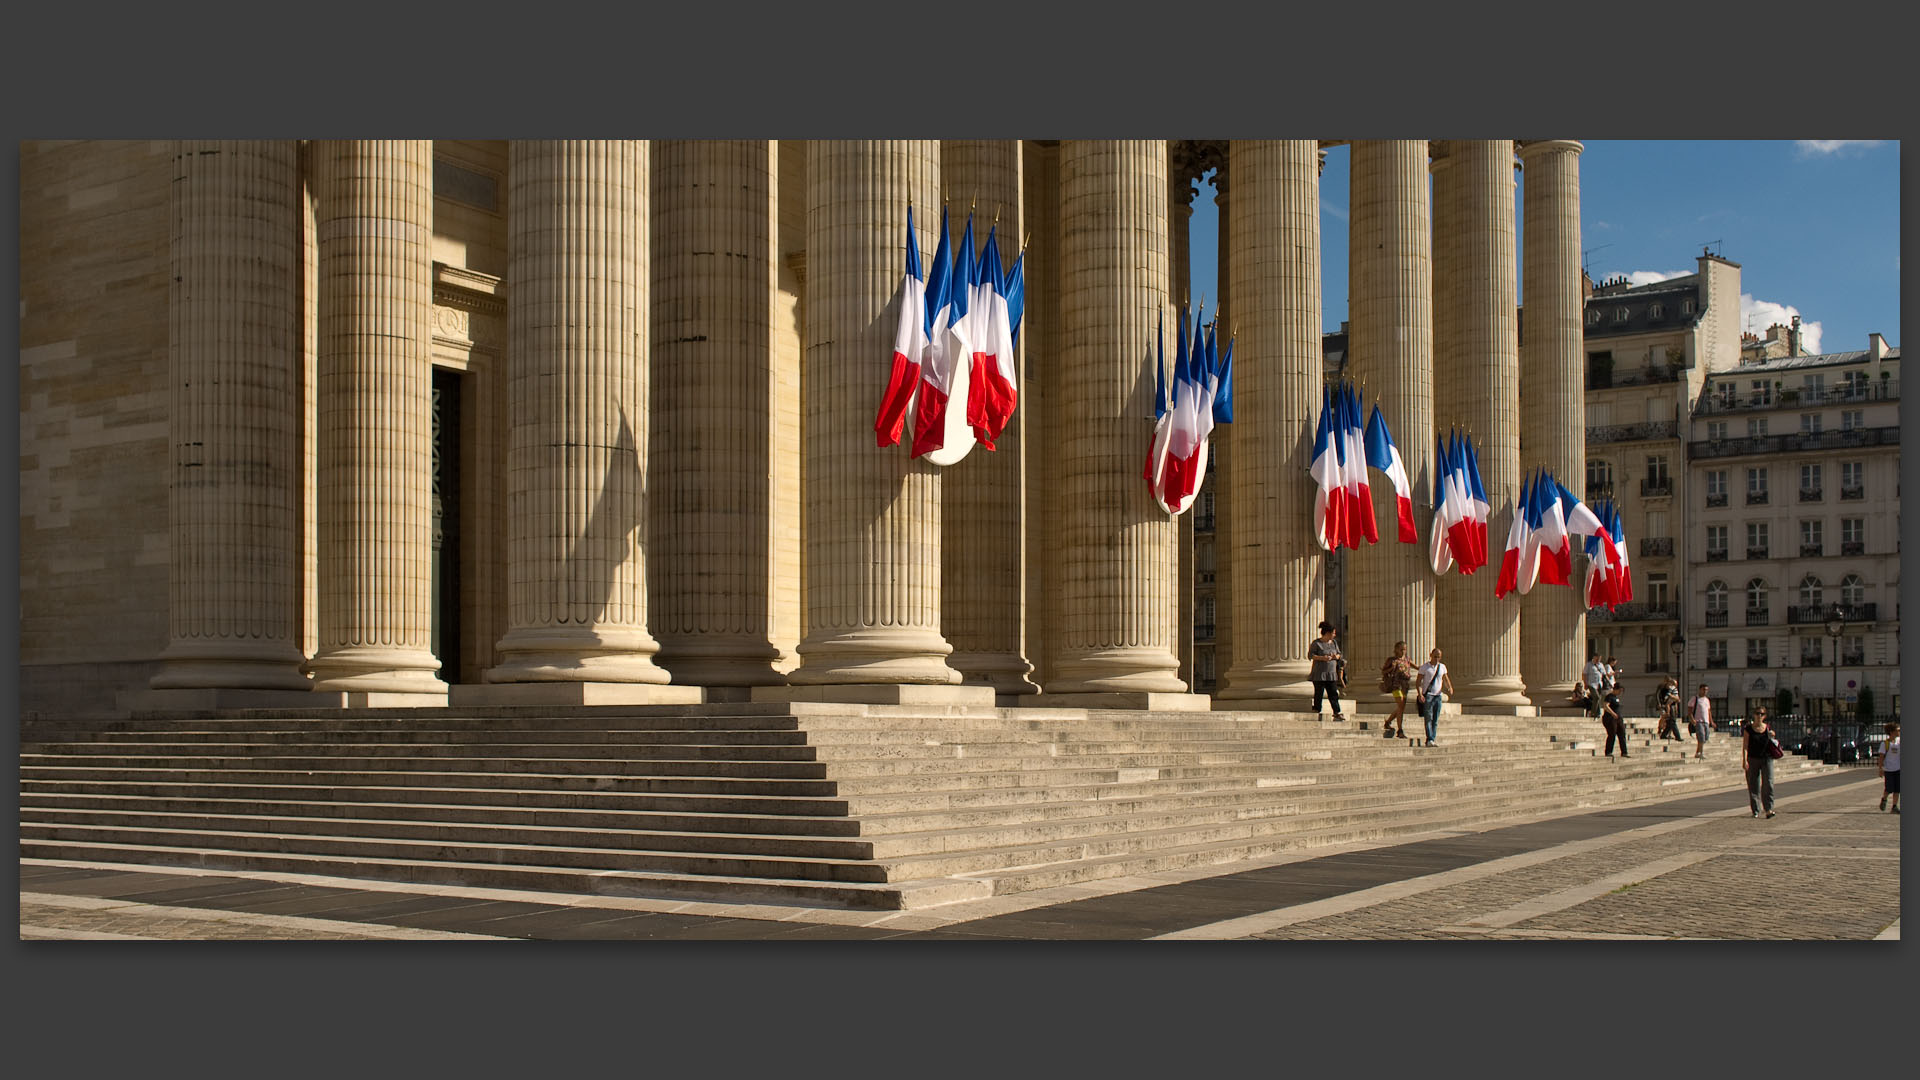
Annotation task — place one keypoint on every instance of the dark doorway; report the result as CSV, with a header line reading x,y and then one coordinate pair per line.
x,y
446,522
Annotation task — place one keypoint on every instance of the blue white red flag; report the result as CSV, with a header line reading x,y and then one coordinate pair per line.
x,y
992,393
1448,512
1517,538
1382,454
1360,522
1479,509
1329,511
940,431
909,347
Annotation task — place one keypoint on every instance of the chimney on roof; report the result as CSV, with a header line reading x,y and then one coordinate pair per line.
x,y
1876,347
1793,338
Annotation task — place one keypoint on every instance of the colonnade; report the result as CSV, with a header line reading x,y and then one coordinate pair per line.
x,y
658,407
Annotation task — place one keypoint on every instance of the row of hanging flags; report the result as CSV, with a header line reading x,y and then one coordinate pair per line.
x,y
953,377
953,368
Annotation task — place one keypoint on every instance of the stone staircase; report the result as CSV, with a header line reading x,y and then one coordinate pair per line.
x,y
830,805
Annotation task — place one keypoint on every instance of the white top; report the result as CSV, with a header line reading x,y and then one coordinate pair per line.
x,y
1890,760
1703,710
1594,673
1432,678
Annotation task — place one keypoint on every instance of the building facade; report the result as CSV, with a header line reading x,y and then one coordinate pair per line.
x,y
1794,467
375,423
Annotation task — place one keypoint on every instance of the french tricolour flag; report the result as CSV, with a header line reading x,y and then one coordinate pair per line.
x,y
1383,455
1511,560
1329,510
909,345
1449,513
991,392
1353,465
1186,447
1599,586
1478,508
1548,555
940,431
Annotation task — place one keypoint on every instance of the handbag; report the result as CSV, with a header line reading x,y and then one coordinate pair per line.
x,y
1773,746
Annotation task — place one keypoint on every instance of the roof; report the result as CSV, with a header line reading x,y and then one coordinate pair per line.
x,y
1640,302
1795,363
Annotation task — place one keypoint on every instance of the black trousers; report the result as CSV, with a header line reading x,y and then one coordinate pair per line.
x,y
1327,689
1616,731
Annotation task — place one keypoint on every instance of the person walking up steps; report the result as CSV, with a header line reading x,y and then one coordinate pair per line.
x,y
1758,744
1434,683
1700,718
1325,655
1890,768
1396,678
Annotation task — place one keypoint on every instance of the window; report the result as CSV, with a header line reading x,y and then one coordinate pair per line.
x,y
1593,317
1757,595
1656,470
1762,392
1205,663
1686,307
1756,427
1599,474
1812,652
1853,532
1658,311
1657,523
1853,479
1756,652
1810,537
1852,419
1856,387
1853,649
1727,393
1810,476
1716,430
1812,594
1657,590
1756,539
1809,423
1716,597
1813,387
1716,654
1757,481
1716,483
1716,540
1853,591
1620,315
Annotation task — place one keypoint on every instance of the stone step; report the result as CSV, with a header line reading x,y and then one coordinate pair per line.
x,y
439,736
364,749
56,792
691,783
607,766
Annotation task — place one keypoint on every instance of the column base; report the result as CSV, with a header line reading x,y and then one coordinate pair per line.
x,y
368,669
1505,690
736,663
1276,685
577,654
230,665
576,693
874,655
1127,670
1143,701
877,694
1006,672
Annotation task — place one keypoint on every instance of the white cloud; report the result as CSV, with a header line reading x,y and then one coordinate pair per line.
x,y
1333,208
1638,278
1835,146
1757,315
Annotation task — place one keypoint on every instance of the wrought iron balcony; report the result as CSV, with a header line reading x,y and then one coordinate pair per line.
x,y
1607,378
1203,631
1656,545
1652,488
1815,614
1751,445
1857,491
1714,401
1635,611
1853,547
1756,661
1756,553
1811,494
1716,554
1758,616
1717,499
1811,551
1716,661
1812,660
1853,659
1596,492
1716,618
1756,498
1642,431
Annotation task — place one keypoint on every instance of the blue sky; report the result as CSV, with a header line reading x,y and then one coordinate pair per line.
x,y
1814,225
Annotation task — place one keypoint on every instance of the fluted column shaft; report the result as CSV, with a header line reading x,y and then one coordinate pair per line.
x,y
1040,359
713,379
872,514
576,459
1117,552
1181,175
1220,443
375,418
235,364
1391,585
1274,294
983,511
1477,386
1553,427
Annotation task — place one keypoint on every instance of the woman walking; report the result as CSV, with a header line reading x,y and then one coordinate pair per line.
x,y
1396,678
1669,695
1326,669
1758,747
1890,768
1433,679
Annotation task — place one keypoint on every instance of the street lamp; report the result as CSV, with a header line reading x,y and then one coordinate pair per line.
x,y
1679,646
1836,624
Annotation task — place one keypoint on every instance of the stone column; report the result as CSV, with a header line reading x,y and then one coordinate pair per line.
x,y
1220,443
872,514
983,504
1040,356
1117,553
1183,168
1552,368
1275,300
234,609
375,390
714,378
576,459
1391,584
1476,383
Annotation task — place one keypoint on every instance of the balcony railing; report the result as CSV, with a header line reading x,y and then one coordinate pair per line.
x,y
1756,661
1811,551
1637,432
1716,661
1719,499
1812,660
1756,553
1793,443
1811,494
1858,491
1596,492
1203,631
1650,488
1716,554
1716,618
1795,397
1635,611
1853,547
1608,378
1203,522
1756,498
1854,659
1815,614
1656,545
1757,617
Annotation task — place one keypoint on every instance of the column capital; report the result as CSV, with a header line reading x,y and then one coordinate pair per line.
x,y
1535,147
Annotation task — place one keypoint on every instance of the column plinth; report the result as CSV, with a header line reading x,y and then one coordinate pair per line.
x,y
1274,294
375,419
